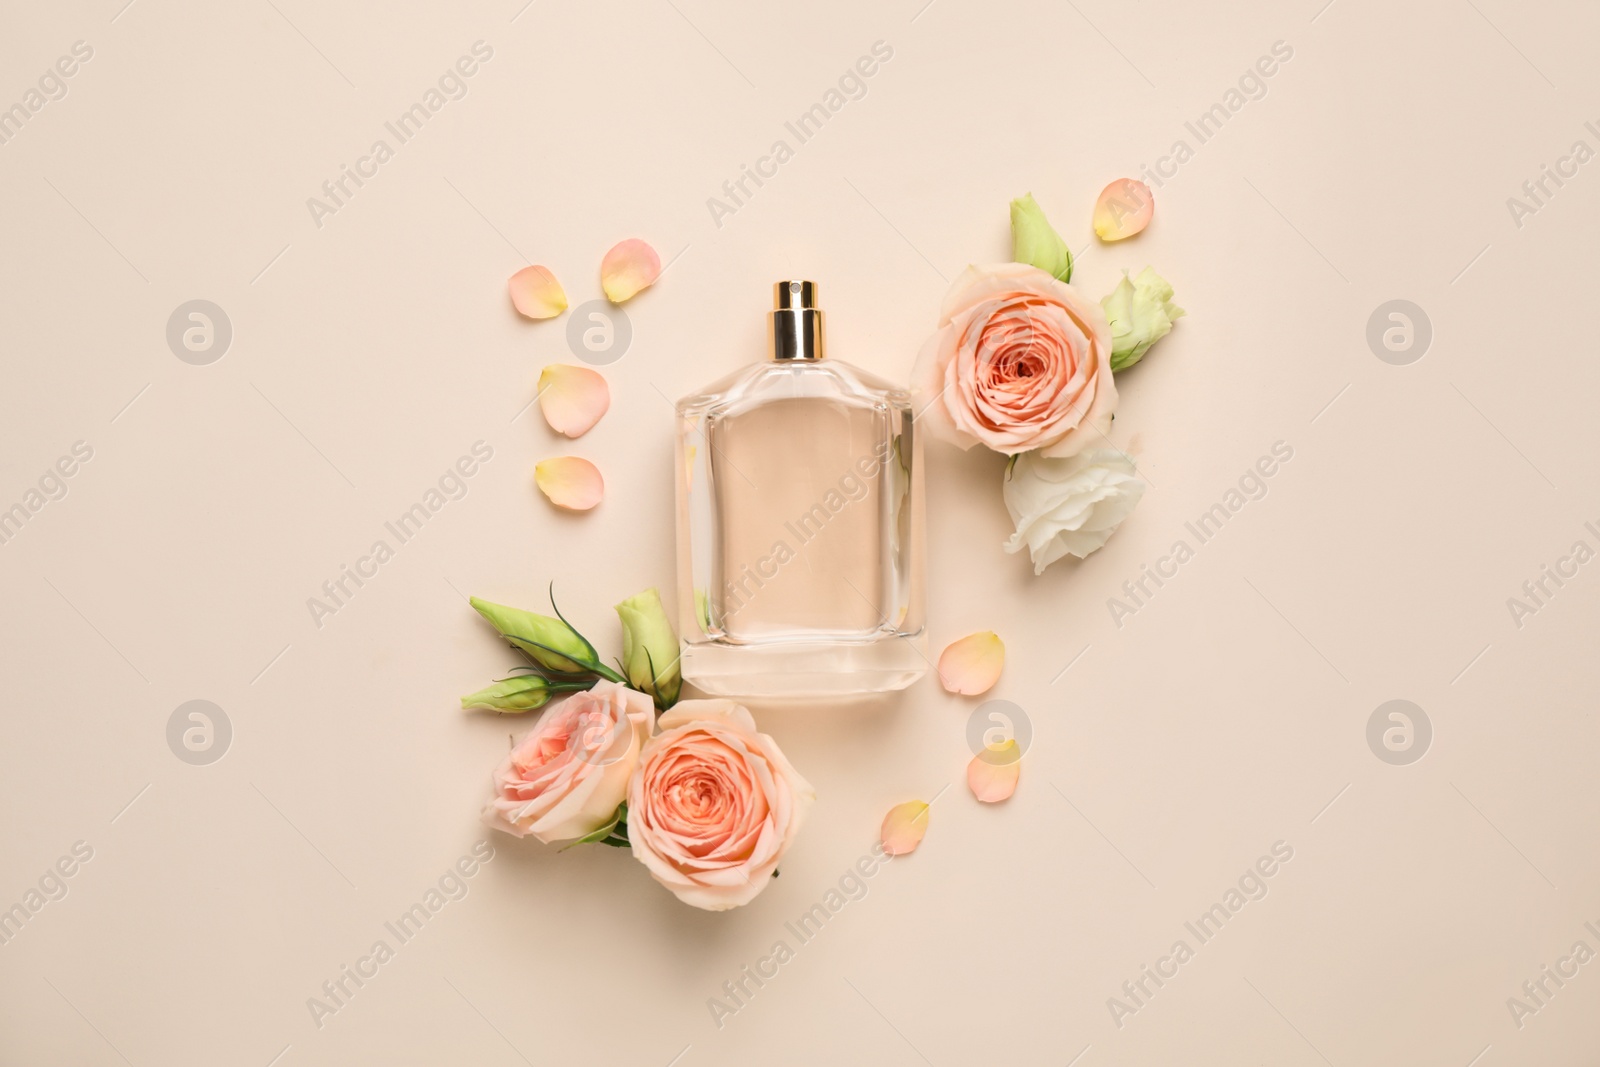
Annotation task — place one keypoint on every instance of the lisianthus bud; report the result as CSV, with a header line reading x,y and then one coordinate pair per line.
x,y
1141,312
650,648
1035,242
524,692
551,642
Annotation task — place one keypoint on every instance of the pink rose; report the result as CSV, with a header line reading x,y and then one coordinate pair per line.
x,y
565,779
713,805
1020,362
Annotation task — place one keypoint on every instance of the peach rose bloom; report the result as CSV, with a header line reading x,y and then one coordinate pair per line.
x,y
565,779
713,805
1020,362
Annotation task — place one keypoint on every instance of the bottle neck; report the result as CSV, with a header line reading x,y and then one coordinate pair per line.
x,y
796,335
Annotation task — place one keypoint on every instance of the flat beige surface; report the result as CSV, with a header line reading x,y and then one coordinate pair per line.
x,y
370,352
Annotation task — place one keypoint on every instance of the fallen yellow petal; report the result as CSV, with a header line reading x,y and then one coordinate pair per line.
x,y
992,775
572,398
630,266
904,826
972,665
1124,208
536,293
570,482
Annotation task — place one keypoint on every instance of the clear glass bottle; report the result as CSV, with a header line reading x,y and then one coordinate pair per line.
x,y
800,523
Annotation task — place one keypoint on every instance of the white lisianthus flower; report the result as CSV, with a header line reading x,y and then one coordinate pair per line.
x,y
1069,506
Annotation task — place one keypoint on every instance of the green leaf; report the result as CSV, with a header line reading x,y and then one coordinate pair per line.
x,y
614,833
594,656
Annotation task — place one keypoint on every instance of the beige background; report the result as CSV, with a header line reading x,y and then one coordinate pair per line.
x,y
368,354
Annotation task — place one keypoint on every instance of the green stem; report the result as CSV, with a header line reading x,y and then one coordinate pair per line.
x,y
593,666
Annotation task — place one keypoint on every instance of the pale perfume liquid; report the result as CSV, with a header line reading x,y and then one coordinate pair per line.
x,y
802,544
799,532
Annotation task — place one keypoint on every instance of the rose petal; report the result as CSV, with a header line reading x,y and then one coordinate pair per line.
x,y
630,266
972,664
904,826
992,775
1124,208
537,294
570,482
572,398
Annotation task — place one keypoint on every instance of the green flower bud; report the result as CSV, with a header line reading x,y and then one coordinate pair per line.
x,y
524,692
650,648
552,643
1035,242
1141,313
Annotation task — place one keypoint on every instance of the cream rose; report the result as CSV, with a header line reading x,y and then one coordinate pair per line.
x,y
1069,506
713,805
565,779
1020,362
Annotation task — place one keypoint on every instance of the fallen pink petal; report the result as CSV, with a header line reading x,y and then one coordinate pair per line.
x,y
629,267
536,293
1124,209
904,826
570,482
972,665
572,398
992,775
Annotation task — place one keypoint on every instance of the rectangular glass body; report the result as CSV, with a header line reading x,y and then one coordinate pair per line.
x,y
800,534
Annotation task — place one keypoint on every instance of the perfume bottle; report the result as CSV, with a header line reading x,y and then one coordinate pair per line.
x,y
799,523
